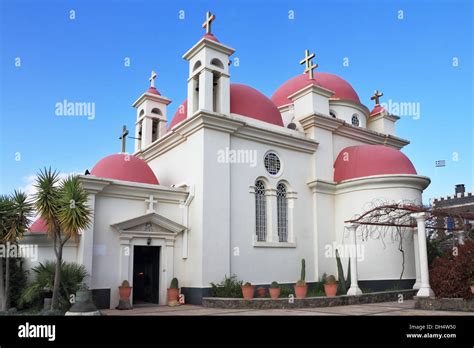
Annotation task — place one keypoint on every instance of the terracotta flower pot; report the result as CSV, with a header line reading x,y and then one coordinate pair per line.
x,y
472,288
173,296
330,289
275,293
125,291
301,291
261,292
247,292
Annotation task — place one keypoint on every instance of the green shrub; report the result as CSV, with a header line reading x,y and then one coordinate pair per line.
x,y
286,291
72,276
230,287
18,280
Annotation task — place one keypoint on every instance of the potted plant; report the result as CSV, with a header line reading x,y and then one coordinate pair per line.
x,y
471,283
125,290
261,291
330,287
301,288
247,291
173,293
275,290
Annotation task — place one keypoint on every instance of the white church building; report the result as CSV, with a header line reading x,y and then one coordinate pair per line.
x,y
239,183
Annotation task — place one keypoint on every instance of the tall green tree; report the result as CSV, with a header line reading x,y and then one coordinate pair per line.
x,y
63,205
15,213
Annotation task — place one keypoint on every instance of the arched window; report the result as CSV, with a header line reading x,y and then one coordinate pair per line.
x,y
156,111
282,213
260,211
197,65
332,113
218,63
355,121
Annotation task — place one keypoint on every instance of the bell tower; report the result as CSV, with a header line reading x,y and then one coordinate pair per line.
x,y
209,79
150,124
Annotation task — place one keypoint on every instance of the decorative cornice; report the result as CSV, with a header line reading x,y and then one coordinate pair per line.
x,y
311,89
205,42
154,218
153,97
132,190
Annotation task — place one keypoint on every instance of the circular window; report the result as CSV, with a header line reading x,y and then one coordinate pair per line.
x,y
272,163
355,121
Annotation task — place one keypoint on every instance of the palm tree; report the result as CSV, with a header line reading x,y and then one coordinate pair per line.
x,y
63,205
15,211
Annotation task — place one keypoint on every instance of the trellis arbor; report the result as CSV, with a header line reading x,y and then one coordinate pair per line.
x,y
397,219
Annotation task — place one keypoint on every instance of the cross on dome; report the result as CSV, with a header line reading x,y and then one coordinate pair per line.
x,y
152,79
207,23
123,137
376,97
309,64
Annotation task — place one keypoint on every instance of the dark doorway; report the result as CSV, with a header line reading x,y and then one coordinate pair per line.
x,y
146,273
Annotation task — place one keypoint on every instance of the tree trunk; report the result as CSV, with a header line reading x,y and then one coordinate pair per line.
x,y
7,284
2,286
57,274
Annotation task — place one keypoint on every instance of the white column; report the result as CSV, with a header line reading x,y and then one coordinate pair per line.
x,y
354,289
87,243
291,205
425,289
206,90
124,272
417,284
224,95
147,131
272,225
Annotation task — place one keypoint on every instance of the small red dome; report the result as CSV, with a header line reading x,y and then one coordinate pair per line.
x,y
153,90
341,88
211,37
245,101
367,160
124,167
39,226
377,110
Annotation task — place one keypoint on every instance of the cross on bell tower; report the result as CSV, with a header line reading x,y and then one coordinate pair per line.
x,y
152,79
376,97
207,23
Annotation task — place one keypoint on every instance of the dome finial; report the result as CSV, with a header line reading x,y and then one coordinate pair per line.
x,y
207,23
309,64
376,96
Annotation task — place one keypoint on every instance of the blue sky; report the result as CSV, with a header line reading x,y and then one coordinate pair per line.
x,y
409,59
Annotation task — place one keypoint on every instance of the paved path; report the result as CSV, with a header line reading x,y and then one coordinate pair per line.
x,y
383,308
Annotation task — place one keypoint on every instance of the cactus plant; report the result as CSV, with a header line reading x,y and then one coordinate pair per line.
x,y
303,270
331,279
125,284
248,284
274,285
174,283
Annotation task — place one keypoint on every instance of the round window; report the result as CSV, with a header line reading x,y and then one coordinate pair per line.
x,y
355,121
272,163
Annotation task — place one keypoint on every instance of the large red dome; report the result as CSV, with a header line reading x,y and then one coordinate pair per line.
x,y
124,167
245,101
367,160
341,88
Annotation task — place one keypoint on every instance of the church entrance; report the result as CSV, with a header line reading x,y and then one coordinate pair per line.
x,y
146,273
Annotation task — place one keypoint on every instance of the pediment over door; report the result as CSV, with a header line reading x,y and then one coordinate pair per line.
x,y
149,225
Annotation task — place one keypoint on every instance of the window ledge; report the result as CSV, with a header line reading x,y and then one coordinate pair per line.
x,y
274,244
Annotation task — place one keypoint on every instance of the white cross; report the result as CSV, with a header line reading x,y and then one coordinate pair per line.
x,y
151,201
152,79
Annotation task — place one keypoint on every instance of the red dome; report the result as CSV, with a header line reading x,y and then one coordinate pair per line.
x,y
39,226
245,101
341,88
367,160
124,167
